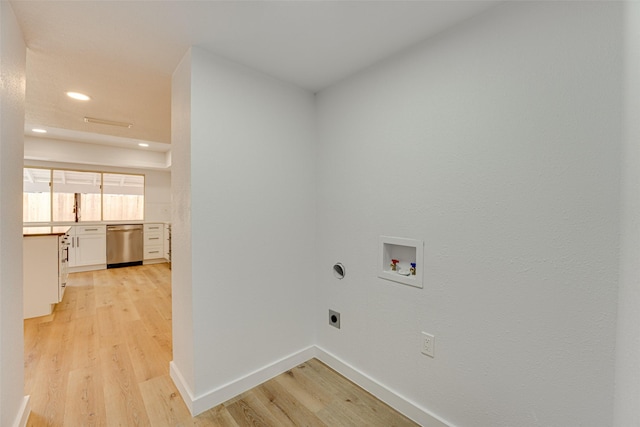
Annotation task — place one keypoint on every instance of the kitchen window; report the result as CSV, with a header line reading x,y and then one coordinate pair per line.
x,y
76,196
123,197
60,195
36,195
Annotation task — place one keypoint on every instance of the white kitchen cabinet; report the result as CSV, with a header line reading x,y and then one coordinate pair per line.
x,y
154,242
88,249
44,271
167,242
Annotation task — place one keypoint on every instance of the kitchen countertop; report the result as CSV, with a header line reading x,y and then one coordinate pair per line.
x,y
60,229
89,223
45,231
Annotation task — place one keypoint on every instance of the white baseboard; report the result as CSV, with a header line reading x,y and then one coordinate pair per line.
x,y
208,400
84,268
181,385
154,261
199,404
406,407
23,413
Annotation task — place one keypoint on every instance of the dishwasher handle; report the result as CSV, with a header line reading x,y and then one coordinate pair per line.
x,y
122,228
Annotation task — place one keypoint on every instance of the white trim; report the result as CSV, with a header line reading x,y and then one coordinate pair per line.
x,y
208,400
23,414
83,268
212,398
154,261
181,385
401,404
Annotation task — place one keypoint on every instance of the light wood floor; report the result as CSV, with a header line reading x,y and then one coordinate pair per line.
x,y
102,359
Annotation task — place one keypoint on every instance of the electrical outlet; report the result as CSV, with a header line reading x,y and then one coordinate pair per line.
x,y
334,319
428,343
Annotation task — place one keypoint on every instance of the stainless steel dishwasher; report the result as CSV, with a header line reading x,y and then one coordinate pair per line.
x,y
124,245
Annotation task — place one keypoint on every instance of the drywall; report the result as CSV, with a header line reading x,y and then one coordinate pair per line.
x,y
56,150
627,392
498,144
13,405
157,196
182,365
251,223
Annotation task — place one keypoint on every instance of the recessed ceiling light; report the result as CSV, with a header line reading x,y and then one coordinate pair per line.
x,y
39,130
79,96
143,144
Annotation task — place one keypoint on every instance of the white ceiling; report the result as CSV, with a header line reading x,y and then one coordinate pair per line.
x,y
123,53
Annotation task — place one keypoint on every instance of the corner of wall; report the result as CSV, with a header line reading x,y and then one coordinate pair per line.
x,y
212,398
410,409
183,387
13,405
181,272
23,413
627,384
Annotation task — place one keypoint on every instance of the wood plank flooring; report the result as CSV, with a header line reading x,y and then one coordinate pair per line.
x,y
102,359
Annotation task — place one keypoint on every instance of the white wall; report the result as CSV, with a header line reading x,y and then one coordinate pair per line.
x,y
497,143
252,219
12,74
627,401
157,197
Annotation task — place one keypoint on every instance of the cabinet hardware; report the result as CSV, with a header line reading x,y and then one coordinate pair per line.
x,y
154,238
90,229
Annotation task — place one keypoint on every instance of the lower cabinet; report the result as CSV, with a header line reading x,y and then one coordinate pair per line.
x,y
44,271
88,247
154,242
167,242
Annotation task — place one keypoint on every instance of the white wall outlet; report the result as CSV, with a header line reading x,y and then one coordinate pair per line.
x,y
428,343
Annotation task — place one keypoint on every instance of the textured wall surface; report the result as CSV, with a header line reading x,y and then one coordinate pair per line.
x,y
12,88
497,143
